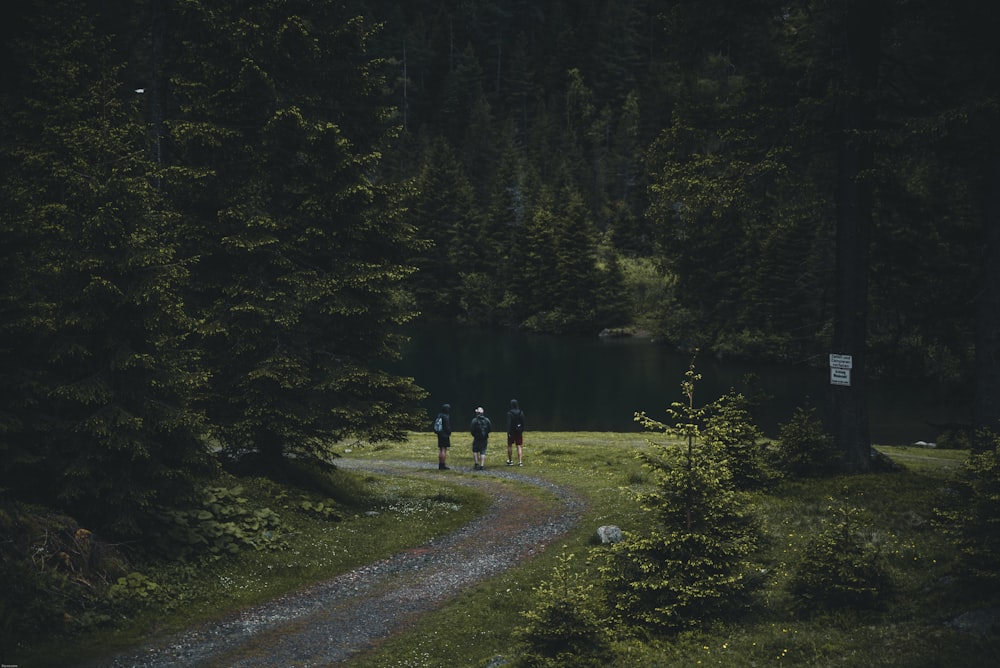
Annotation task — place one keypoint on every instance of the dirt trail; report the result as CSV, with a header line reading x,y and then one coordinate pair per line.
x,y
336,619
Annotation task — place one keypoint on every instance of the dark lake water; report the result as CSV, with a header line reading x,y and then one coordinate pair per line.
x,y
593,384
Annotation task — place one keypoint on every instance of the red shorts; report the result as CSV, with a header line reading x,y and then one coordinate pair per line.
x,y
515,439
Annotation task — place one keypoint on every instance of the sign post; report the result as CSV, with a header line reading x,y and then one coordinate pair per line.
x,y
840,369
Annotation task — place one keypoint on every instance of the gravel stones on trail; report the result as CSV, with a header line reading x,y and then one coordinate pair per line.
x,y
333,620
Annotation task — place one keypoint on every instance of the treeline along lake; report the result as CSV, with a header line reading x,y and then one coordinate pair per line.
x,y
597,384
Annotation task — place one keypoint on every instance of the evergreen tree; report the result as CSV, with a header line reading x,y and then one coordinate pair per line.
x,y
99,376
689,568
540,274
576,264
970,517
443,210
279,129
509,207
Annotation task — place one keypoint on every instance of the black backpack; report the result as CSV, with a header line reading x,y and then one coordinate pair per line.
x,y
479,430
517,421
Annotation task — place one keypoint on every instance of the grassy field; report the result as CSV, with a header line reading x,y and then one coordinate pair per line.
x,y
478,627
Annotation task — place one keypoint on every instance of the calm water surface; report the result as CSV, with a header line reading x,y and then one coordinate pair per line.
x,y
593,384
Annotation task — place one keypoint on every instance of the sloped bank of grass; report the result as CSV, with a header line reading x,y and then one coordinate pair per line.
x,y
914,629
373,517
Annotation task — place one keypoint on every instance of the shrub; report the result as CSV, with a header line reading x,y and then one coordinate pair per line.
x,y
224,523
804,448
971,517
840,569
565,628
55,574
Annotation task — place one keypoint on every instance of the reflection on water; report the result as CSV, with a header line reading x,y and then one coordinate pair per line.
x,y
590,384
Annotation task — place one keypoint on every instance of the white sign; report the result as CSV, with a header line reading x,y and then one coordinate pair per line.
x,y
840,376
841,362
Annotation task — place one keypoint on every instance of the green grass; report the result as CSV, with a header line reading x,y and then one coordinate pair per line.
x,y
479,625
387,516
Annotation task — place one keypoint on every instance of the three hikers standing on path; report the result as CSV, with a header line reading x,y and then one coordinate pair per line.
x,y
480,429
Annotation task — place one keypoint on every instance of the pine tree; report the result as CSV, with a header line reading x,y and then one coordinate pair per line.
x,y
279,130
99,378
443,210
690,567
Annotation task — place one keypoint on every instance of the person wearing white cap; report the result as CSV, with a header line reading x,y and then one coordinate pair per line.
x,y
481,427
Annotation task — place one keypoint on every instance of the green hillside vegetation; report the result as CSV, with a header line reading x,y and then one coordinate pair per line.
x,y
217,219
892,518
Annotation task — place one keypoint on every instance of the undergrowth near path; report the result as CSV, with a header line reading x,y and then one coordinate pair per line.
x,y
376,516
915,627
480,626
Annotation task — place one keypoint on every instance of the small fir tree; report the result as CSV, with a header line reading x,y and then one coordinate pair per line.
x,y
840,568
565,628
690,567
733,430
805,449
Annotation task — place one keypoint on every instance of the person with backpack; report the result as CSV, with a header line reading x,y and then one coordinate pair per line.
x,y
515,433
481,427
442,427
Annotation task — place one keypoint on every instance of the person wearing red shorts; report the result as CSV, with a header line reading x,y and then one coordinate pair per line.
x,y
515,433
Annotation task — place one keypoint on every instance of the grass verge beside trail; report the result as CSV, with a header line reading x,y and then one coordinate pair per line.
x,y
385,515
477,629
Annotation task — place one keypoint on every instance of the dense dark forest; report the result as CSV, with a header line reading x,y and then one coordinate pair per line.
x,y
676,166
218,216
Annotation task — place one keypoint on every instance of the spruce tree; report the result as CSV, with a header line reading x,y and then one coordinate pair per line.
x,y
100,377
691,566
279,128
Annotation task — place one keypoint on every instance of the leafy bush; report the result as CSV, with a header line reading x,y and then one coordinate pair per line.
x,y
564,629
804,448
840,569
223,524
970,517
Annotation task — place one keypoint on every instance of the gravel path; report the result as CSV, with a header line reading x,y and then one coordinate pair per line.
x,y
336,619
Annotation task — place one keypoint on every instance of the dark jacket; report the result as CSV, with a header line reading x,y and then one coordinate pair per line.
x,y
513,413
445,416
487,427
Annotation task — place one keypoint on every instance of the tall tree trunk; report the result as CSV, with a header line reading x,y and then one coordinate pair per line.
x,y
158,31
986,409
863,23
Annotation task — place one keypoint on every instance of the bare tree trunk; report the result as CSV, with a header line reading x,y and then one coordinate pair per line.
x,y
854,221
158,31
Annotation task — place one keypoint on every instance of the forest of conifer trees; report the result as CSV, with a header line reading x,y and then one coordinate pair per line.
x,y
218,216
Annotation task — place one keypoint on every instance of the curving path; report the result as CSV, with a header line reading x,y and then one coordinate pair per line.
x,y
333,620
